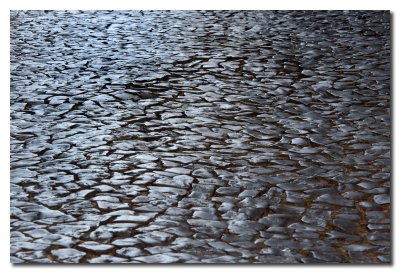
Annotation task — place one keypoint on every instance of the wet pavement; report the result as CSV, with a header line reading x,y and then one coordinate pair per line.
x,y
200,137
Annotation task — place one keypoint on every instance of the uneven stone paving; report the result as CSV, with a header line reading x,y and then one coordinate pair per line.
x,y
200,137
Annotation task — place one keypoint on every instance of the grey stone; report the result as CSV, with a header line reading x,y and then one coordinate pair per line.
x,y
157,258
68,255
96,247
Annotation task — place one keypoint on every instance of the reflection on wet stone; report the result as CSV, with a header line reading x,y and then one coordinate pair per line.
x,y
200,137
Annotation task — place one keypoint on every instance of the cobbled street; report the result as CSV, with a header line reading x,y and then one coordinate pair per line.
x,y
200,137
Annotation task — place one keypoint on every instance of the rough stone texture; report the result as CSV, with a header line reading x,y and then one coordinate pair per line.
x,y
200,137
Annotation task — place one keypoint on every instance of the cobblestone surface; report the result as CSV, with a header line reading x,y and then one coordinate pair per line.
x,y
200,137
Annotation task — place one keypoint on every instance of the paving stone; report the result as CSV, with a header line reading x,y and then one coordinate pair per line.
x,y
331,257
130,252
96,247
126,242
154,237
244,227
133,218
106,259
382,199
198,222
157,258
335,199
68,255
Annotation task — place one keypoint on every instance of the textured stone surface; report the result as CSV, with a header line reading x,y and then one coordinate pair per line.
x,y
200,137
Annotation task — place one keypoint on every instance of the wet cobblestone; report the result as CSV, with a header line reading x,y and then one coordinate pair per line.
x,y
200,137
